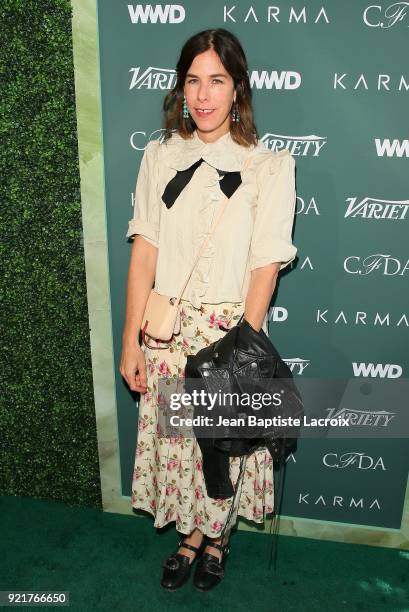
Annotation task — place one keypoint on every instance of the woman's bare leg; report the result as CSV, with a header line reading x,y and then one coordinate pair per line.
x,y
195,539
215,551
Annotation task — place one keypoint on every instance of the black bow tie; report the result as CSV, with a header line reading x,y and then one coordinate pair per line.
x,y
228,184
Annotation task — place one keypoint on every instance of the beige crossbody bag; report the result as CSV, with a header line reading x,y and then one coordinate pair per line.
x,y
161,318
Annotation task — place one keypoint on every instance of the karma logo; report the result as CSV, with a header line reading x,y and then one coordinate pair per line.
x,y
363,82
274,14
359,317
338,501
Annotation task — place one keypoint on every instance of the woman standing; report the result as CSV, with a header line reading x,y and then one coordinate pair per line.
x,y
210,150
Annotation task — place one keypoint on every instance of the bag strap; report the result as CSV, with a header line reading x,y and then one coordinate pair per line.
x,y
218,218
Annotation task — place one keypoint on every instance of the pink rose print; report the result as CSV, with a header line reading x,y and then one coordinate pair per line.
x,y
221,322
170,489
139,450
142,424
164,369
151,367
198,493
216,526
198,520
152,504
268,459
212,319
176,439
257,513
199,466
136,474
172,464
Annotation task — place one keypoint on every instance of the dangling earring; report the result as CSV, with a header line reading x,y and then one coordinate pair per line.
x,y
235,113
185,111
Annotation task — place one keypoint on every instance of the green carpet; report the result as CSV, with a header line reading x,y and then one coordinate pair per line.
x,y
113,562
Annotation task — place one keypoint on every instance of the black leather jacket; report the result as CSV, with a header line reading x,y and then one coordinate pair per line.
x,y
242,361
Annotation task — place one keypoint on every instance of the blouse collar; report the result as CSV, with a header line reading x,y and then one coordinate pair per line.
x,y
223,154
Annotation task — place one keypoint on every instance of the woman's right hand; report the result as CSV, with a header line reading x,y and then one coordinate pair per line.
x,y
133,367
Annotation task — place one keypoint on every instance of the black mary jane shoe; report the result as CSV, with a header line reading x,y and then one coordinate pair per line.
x,y
210,570
177,567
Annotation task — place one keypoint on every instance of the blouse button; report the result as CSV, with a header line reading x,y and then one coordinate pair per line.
x,y
215,196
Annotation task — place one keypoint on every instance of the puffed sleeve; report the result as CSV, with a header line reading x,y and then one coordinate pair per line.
x,y
146,214
271,239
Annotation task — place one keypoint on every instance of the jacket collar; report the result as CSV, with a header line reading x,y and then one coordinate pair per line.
x,y
223,154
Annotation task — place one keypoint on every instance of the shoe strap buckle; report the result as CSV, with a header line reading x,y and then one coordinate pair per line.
x,y
171,563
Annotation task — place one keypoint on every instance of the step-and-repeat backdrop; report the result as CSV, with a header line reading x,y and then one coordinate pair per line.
x,y
330,83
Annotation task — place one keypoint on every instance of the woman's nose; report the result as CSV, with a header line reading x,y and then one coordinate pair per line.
x,y
202,92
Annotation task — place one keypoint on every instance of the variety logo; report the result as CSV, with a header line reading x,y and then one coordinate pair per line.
x,y
367,418
152,78
375,16
338,500
372,208
389,266
355,459
345,81
297,145
394,148
377,370
162,13
273,14
297,365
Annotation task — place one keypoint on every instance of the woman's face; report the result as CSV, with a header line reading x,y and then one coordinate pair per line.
x,y
208,86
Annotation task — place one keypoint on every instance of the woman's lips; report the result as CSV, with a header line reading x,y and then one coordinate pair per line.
x,y
200,113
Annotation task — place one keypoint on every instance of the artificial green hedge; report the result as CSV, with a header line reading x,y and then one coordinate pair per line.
x,y
47,418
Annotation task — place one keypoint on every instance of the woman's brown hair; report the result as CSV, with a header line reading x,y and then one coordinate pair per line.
x,y
232,56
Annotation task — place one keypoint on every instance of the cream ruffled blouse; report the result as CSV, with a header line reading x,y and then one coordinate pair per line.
x,y
255,228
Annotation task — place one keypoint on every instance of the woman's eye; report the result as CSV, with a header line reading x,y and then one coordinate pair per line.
x,y
214,80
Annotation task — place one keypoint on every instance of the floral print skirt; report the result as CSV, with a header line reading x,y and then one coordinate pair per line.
x,y
168,480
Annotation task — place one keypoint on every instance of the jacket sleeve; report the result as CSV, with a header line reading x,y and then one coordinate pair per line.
x,y
146,214
271,239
